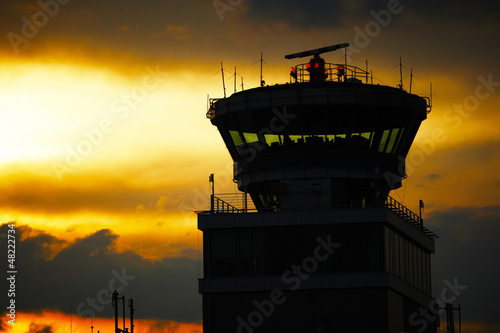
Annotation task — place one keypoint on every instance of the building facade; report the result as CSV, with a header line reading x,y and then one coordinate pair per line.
x,y
319,246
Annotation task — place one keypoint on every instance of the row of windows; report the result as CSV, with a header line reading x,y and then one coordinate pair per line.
x,y
363,248
407,261
385,141
253,252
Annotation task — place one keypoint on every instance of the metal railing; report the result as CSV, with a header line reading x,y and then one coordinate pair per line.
x,y
332,72
233,203
230,203
408,216
403,212
211,107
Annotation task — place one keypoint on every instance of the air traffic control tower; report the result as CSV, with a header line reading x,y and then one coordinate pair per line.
x,y
319,245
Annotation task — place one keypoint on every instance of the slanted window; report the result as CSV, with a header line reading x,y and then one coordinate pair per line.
x,y
251,137
271,138
235,135
392,140
398,140
383,142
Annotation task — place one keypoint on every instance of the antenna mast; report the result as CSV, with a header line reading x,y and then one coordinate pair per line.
x,y
400,73
262,82
223,83
367,71
345,57
131,305
411,77
430,98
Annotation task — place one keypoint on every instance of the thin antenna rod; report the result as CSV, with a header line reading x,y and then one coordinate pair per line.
x,y
234,78
261,61
131,304
123,313
400,73
223,83
367,71
431,96
242,84
411,77
345,58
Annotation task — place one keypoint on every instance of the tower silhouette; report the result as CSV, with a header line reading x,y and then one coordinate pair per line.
x,y
323,248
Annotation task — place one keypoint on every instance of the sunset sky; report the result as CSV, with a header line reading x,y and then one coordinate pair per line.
x,y
105,149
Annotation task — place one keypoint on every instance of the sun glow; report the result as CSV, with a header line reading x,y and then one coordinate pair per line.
x,y
44,104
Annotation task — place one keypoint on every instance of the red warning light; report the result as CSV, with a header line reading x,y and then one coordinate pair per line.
x,y
316,65
309,65
340,70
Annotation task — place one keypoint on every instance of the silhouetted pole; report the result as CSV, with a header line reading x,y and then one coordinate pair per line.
x,y
261,79
123,297
115,304
421,206
131,304
459,319
212,197
223,83
449,317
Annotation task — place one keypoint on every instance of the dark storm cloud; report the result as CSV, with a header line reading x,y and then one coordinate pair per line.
x,y
334,14
37,328
80,277
299,14
428,31
127,26
449,10
468,249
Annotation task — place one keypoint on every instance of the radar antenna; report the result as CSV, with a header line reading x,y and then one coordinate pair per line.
x,y
317,52
316,66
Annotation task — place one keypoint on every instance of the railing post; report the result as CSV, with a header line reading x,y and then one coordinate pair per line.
x,y
211,203
245,198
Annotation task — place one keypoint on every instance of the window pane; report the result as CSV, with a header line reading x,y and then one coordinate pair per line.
x,y
401,257
250,137
271,138
235,135
399,139
392,140
366,135
387,251
385,135
396,255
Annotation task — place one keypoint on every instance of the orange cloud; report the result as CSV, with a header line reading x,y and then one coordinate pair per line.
x,y
57,322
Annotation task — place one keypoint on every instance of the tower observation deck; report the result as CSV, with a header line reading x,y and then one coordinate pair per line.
x,y
318,157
